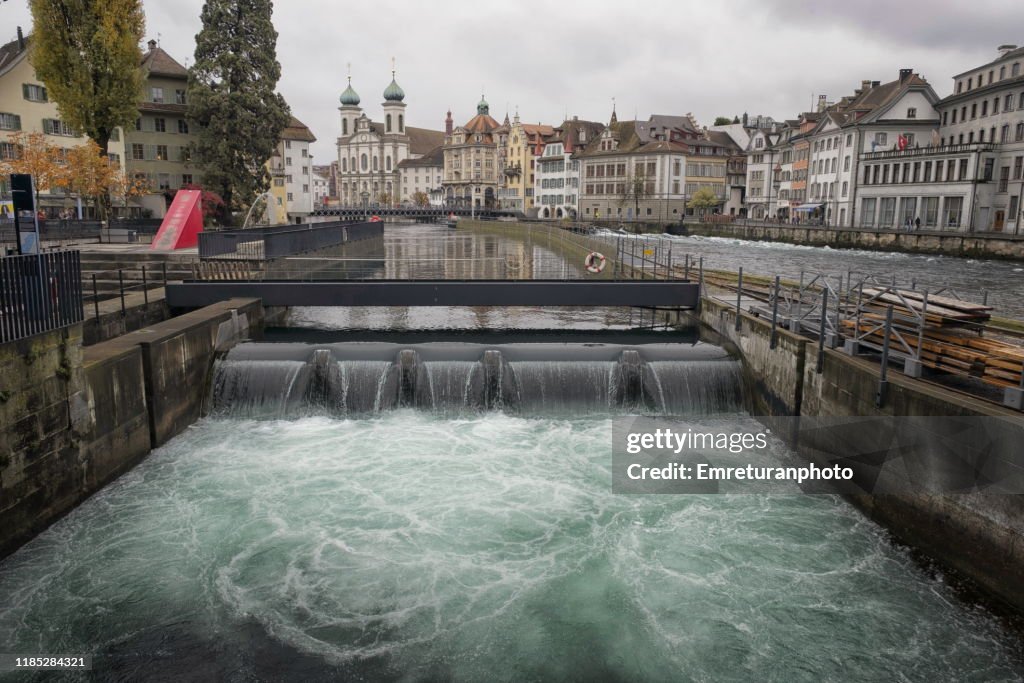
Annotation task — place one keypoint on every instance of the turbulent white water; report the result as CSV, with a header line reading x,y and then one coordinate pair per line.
x,y
410,547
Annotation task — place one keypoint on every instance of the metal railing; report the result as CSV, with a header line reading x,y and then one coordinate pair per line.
x,y
39,293
262,244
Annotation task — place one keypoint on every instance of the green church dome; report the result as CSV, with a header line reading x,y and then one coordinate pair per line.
x,y
349,97
483,108
393,93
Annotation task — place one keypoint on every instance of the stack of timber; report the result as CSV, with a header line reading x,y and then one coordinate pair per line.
x,y
946,341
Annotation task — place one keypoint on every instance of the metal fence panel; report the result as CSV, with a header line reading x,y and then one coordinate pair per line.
x,y
39,293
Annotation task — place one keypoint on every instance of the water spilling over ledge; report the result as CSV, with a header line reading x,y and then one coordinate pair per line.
x,y
273,381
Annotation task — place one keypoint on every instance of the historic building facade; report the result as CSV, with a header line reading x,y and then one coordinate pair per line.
x,y
472,160
369,153
557,185
26,107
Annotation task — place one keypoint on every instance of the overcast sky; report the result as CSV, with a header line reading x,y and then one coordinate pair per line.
x,y
550,59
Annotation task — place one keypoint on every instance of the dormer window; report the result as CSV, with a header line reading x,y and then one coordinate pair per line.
x,y
912,113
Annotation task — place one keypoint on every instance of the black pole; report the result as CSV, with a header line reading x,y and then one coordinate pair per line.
x,y
145,286
821,330
775,315
95,297
884,373
120,284
739,295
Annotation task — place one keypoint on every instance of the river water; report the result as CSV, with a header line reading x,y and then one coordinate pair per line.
x,y
400,544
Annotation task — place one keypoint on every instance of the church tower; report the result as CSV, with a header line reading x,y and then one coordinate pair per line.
x,y
350,111
394,108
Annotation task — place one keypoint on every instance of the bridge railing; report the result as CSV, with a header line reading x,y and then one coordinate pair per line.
x,y
262,244
39,293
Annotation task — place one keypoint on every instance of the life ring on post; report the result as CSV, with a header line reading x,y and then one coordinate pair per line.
x,y
595,262
376,219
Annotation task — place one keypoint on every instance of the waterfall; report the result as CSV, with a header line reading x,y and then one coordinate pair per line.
x,y
281,381
700,387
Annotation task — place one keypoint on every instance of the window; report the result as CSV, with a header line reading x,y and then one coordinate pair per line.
x,y
954,116
930,209
1020,102
34,93
927,172
1017,167
1004,178
156,95
161,153
183,126
881,139
849,139
1004,135
185,153
988,169
846,188
1015,70
912,113
952,208
179,98
995,106
846,164
138,152
388,123
344,126
290,198
1020,132
305,188
164,181
938,171
984,108
888,212
186,178
305,169
867,213
9,150
945,118
364,162
115,135
138,123
160,125
1014,200
115,158
57,127
1008,103
974,110
287,161
10,122
908,210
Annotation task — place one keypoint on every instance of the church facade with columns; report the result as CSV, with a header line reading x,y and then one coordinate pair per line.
x,y
369,152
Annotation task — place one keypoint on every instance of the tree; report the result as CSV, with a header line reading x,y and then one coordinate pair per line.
x,y
87,53
213,204
702,200
233,101
722,121
637,187
125,187
36,156
90,174
384,199
420,199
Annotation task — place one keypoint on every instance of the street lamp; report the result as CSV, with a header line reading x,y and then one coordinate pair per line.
x,y
366,200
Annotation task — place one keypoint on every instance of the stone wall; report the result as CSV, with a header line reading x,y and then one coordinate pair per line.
x,y
75,419
981,535
978,245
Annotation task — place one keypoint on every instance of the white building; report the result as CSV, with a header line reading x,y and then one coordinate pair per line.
x,y
986,114
321,185
292,166
422,177
369,153
557,169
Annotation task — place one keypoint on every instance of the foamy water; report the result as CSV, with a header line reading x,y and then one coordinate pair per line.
x,y
409,547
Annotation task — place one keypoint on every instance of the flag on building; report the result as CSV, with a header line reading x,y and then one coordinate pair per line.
x,y
902,142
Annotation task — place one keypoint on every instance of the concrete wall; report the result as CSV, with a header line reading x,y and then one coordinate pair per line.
x,y
988,245
980,535
113,324
75,419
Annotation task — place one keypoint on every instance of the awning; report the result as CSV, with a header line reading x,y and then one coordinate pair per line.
x,y
807,207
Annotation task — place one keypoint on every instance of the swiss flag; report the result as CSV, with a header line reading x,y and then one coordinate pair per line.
x,y
902,142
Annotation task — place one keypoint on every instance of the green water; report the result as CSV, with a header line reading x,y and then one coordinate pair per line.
x,y
412,548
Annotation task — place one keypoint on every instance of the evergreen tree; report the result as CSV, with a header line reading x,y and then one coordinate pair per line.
x,y
87,53
232,98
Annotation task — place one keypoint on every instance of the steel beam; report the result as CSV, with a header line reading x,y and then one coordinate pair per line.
x,y
670,293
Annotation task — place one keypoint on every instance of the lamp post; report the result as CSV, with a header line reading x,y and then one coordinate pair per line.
x,y
366,200
776,183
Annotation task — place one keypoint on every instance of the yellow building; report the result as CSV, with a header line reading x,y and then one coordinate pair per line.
x,y
525,143
26,107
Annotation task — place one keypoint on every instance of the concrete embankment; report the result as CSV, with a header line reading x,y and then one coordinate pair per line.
x,y
979,534
973,245
74,419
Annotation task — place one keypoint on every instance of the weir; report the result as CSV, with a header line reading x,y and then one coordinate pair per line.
x,y
345,379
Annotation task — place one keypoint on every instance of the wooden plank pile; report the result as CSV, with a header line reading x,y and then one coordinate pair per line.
x,y
947,343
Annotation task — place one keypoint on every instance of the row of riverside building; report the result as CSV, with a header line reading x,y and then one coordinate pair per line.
x,y
889,155
157,149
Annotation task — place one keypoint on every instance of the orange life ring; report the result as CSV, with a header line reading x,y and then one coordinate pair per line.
x,y
595,262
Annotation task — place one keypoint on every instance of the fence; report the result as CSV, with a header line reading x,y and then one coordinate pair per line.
x,y
39,293
262,244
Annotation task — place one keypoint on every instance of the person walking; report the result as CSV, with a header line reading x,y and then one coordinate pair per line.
x,y
917,224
